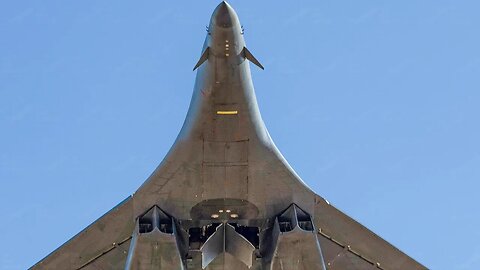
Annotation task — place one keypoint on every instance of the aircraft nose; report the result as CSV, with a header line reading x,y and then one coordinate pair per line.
x,y
223,15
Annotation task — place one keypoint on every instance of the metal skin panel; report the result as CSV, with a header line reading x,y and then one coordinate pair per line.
x,y
338,257
156,250
104,236
360,240
227,240
113,260
298,250
295,248
214,246
237,246
227,261
156,243
224,158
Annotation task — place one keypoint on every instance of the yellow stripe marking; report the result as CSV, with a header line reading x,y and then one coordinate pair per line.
x,y
227,112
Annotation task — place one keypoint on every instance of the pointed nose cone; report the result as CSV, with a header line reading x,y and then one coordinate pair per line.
x,y
224,16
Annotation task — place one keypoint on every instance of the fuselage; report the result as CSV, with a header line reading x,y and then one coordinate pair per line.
x,y
224,152
223,89
224,197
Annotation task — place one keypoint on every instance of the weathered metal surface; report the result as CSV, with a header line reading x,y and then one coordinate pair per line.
x,y
157,243
360,240
155,250
224,169
338,257
292,242
227,240
97,240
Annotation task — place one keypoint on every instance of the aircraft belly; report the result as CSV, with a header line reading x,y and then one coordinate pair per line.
x,y
223,153
224,197
224,170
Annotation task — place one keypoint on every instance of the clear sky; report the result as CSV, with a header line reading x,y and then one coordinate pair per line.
x,y
375,103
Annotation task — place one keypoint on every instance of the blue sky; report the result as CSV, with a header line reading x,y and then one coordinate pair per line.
x,y
375,104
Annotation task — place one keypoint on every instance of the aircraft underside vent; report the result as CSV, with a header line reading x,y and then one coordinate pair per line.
x,y
294,217
155,218
291,243
288,241
157,243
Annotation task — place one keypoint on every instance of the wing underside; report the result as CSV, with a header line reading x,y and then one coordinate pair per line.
x,y
344,243
102,245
